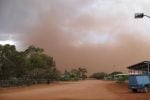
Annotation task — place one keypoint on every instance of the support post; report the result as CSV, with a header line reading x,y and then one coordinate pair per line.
x,y
148,68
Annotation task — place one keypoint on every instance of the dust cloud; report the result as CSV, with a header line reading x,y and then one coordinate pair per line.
x,y
99,35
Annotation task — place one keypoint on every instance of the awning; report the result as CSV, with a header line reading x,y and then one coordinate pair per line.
x,y
142,66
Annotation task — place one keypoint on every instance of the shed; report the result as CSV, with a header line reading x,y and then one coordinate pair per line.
x,y
140,68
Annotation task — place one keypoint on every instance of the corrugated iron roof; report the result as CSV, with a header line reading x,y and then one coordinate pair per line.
x,y
140,66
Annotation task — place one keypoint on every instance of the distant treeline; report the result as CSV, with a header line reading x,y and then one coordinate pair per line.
x,y
32,66
116,76
103,75
75,74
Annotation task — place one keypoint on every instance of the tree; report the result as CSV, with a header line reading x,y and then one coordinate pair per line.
x,y
50,66
99,75
7,64
18,60
42,65
82,73
31,64
37,64
112,76
33,50
66,76
75,74
115,73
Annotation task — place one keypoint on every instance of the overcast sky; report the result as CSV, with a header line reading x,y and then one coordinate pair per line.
x,y
101,35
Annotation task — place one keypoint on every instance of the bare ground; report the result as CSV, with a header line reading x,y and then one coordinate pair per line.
x,y
81,90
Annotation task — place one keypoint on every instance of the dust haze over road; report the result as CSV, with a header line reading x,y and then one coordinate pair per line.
x,y
81,90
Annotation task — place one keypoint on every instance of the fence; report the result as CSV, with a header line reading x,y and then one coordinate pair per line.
x,y
22,82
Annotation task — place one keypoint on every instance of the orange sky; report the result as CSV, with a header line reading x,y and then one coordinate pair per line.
x,y
101,35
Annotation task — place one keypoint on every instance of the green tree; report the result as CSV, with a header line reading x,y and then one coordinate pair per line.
x,y
36,62
99,75
7,54
50,66
82,73
74,74
28,65
115,73
66,76
33,50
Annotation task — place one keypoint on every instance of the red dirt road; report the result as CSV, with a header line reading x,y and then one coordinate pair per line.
x,y
81,90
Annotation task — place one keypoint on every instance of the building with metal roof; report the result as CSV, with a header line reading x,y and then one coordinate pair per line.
x,y
141,67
